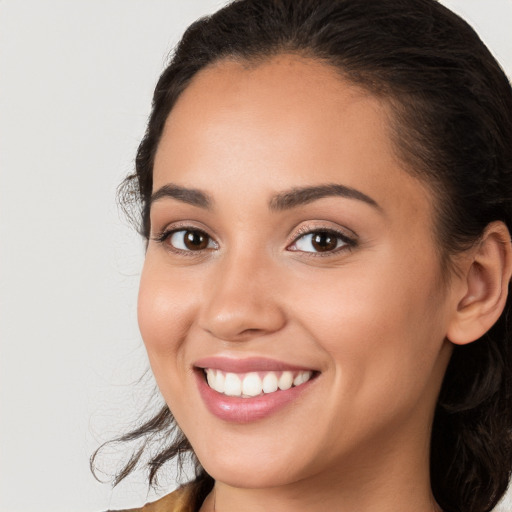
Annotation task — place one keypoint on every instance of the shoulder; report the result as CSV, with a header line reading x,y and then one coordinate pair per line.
x,y
178,501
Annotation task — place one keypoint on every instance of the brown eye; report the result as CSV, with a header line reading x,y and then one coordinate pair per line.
x,y
195,240
324,241
321,241
190,240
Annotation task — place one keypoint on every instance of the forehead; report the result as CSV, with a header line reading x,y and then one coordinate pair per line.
x,y
286,94
287,121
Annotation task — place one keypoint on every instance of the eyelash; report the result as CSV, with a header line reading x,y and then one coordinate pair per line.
x,y
166,234
348,242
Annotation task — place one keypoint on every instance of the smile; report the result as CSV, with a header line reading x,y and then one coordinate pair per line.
x,y
252,384
251,389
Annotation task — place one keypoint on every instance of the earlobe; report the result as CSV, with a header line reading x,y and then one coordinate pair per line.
x,y
486,279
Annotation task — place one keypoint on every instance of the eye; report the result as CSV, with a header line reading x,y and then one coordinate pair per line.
x,y
188,240
321,241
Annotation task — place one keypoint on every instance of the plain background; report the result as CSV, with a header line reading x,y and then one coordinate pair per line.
x,y
76,79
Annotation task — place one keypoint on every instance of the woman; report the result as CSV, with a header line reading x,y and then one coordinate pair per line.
x,y
325,191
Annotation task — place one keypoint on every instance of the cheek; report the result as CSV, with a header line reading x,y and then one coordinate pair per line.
x,y
377,325
164,312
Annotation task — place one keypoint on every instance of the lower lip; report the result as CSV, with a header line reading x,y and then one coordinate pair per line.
x,y
245,410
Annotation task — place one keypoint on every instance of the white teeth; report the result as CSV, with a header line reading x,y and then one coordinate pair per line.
x,y
285,381
219,381
270,383
301,378
297,381
232,385
210,377
252,384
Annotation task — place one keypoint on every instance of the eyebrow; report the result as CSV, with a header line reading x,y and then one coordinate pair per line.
x,y
303,195
287,200
185,195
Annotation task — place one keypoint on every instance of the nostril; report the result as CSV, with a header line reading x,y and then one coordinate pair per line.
x,y
251,331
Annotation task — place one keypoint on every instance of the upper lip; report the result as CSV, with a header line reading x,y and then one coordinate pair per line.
x,y
245,365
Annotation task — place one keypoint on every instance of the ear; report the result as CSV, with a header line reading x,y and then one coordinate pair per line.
x,y
486,276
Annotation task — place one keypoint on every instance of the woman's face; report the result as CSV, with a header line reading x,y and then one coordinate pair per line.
x,y
288,244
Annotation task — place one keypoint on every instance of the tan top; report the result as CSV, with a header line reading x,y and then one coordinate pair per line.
x,y
178,501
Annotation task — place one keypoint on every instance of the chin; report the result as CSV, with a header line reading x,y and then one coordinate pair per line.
x,y
250,475
250,464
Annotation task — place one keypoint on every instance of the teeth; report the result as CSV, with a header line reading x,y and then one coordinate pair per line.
x,y
301,378
232,385
253,384
220,378
211,377
270,383
285,381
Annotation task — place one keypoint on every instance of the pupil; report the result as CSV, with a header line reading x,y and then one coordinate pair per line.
x,y
324,242
195,240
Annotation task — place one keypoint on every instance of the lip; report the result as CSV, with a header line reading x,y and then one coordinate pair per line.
x,y
245,410
246,365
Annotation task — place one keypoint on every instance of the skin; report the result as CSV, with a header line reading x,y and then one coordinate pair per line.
x,y
373,319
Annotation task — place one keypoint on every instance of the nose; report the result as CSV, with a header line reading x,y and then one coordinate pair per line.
x,y
241,301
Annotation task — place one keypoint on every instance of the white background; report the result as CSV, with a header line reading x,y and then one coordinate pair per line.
x,y
76,79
